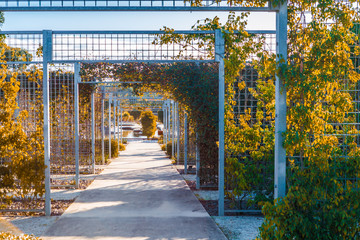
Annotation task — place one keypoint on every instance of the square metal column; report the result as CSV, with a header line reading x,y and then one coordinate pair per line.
x,y
47,57
219,57
280,104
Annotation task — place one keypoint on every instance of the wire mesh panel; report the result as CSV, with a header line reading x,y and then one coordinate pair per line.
x,y
254,126
85,160
24,47
30,98
98,126
110,46
62,120
135,5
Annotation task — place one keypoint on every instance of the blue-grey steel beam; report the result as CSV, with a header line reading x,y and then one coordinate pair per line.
x,y
173,129
149,32
93,131
280,104
123,5
117,124
121,124
76,109
219,57
109,123
186,138
102,127
47,52
177,133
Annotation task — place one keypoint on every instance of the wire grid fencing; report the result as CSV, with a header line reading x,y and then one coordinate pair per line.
x,y
179,131
85,147
30,98
191,143
246,104
24,47
105,4
108,46
87,46
62,125
98,104
345,129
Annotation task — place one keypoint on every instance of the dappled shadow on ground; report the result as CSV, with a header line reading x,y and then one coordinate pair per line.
x,y
139,196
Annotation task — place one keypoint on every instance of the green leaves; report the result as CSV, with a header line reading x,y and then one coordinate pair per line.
x,y
148,122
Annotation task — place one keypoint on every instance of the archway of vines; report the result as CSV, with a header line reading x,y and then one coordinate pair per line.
x,y
193,86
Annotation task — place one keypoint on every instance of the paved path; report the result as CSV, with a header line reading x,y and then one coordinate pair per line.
x,y
138,196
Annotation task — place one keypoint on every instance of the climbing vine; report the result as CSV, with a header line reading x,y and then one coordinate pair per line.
x,y
21,144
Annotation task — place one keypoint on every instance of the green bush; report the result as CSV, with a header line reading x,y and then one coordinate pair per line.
x,y
318,205
169,149
114,149
163,147
122,147
124,141
127,117
136,114
148,122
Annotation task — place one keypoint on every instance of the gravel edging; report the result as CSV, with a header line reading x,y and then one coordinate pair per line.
x,y
234,227
34,225
239,227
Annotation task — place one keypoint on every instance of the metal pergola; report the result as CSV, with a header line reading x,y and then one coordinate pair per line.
x,y
71,47
123,5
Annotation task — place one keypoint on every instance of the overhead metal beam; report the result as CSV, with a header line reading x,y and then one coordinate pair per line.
x,y
123,5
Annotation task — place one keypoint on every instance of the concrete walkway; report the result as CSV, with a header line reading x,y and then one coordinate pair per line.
x,y
138,196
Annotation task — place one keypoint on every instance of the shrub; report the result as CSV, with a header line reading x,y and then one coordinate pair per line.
x,y
9,236
163,147
124,141
136,114
161,140
122,147
114,149
169,149
127,117
148,122
317,208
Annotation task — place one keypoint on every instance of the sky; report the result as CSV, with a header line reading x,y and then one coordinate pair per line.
x,y
121,20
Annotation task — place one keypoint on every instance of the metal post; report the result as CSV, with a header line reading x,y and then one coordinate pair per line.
x,y
121,125
110,126
169,120
280,104
219,57
93,131
115,120
197,159
185,142
76,101
173,129
165,125
117,125
47,52
102,127
177,133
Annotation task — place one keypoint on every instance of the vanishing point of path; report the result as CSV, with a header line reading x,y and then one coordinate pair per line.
x,y
138,196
